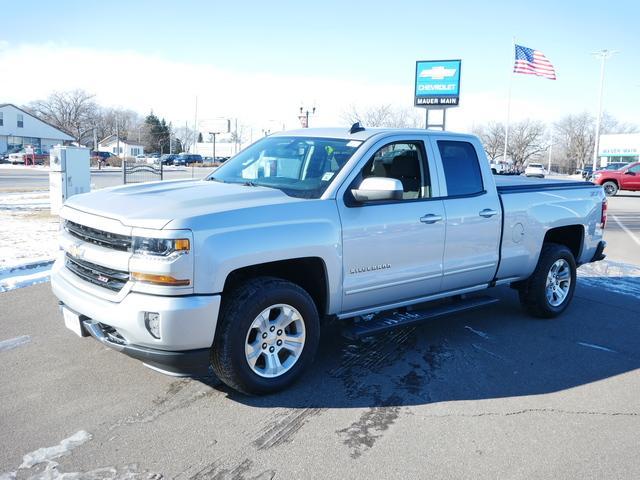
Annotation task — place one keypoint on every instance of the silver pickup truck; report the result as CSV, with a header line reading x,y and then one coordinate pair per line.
x,y
380,228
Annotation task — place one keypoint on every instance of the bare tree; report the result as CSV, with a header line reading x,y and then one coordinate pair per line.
x,y
127,123
492,137
187,136
526,141
72,111
576,137
610,125
382,116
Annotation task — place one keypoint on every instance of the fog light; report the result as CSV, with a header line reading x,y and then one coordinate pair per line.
x,y
152,322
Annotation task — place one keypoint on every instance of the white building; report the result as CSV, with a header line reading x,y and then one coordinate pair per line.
x,y
127,147
19,128
621,147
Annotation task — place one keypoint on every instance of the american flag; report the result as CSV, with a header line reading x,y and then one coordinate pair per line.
x,y
533,62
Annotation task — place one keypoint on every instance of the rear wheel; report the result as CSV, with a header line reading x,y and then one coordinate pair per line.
x,y
268,334
610,188
549,290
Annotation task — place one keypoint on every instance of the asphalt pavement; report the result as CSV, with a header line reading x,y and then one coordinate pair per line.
x,y
487,394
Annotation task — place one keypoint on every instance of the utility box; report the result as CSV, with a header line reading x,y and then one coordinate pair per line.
x,y
69,174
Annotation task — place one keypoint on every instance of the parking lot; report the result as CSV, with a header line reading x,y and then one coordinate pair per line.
x,y
487,394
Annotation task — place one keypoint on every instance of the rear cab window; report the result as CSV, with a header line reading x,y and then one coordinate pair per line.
x,y
461,168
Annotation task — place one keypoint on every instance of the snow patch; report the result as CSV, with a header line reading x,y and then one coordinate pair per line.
x,y
13,343
614,277
48,453
25,275
29,232
478,332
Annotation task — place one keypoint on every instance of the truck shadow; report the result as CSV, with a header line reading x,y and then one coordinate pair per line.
x,y
491,353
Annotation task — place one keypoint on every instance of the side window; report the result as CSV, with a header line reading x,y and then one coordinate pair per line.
x,y
635,169
461,168
403,161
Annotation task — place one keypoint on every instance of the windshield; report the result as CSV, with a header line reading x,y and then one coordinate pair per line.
x,y
299,166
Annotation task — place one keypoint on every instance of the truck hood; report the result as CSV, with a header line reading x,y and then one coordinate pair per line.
x,y
154,205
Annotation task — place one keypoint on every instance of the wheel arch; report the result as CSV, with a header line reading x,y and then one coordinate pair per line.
x,y
309,273
571,236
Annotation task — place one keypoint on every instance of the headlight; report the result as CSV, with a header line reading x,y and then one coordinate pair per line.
x,y
160,247
597,175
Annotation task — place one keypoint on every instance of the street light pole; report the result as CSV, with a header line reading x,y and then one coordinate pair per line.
x,y
603,55
305,114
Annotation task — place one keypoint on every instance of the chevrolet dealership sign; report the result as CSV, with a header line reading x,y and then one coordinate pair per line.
x,y
437,83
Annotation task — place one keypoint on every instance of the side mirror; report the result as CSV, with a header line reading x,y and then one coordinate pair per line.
x,y
378,188
629,172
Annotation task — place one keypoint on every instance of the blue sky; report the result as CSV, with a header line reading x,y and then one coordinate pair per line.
x,y
360,48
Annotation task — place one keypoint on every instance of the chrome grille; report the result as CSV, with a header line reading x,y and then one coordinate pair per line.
x,y
97,274
115,241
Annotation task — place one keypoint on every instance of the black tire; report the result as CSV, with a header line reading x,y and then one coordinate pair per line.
x,y
533,291
610,188
238,311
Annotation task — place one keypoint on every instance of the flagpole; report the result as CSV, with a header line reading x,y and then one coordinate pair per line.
x,y
506,128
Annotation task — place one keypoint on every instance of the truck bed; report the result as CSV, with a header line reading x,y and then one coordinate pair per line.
x,y
518,183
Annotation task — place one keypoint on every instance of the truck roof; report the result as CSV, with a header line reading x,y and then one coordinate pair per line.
x,y
362,135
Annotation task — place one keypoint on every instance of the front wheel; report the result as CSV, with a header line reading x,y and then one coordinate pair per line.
x,y
268,334
549,290
610,188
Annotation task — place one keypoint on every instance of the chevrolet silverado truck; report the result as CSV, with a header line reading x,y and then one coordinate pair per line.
x,y
380,228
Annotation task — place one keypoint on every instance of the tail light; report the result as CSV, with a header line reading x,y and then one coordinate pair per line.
x,y
603,218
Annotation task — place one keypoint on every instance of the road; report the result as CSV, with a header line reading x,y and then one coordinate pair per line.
x,y
623,228
38,178
487,394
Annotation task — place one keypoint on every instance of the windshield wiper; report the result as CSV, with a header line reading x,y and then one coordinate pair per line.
x,y
249,183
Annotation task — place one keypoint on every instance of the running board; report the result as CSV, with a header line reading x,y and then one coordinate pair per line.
x,y
383,322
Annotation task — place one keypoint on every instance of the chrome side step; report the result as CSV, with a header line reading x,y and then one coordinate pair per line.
x,y
386,321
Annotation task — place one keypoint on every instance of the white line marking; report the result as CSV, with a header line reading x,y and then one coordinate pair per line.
x,y
597,347
14,342
629,232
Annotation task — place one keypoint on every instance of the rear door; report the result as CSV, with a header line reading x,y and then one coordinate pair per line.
x,y
473,213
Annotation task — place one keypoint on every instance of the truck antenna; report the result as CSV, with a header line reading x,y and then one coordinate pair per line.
x,y
355,128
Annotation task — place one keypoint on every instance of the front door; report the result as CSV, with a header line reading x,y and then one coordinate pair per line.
x,y
392,250
631,178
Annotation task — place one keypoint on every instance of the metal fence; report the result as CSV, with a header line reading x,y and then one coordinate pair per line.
x,y
133,172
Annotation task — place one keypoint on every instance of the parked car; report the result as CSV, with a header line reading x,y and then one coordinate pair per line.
x,y
587,171
625,178
236,271
187,159
535,170
38,157
168,158
614,166
102,157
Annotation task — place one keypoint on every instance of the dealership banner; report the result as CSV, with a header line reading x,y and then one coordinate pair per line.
x,y
437,83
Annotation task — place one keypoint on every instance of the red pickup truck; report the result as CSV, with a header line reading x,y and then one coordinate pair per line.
x,y
627,178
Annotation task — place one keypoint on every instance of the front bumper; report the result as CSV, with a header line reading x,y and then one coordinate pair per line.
x,y
188,362
187,323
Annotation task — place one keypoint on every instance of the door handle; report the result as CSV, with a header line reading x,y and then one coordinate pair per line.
x,y
430,218
487,213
